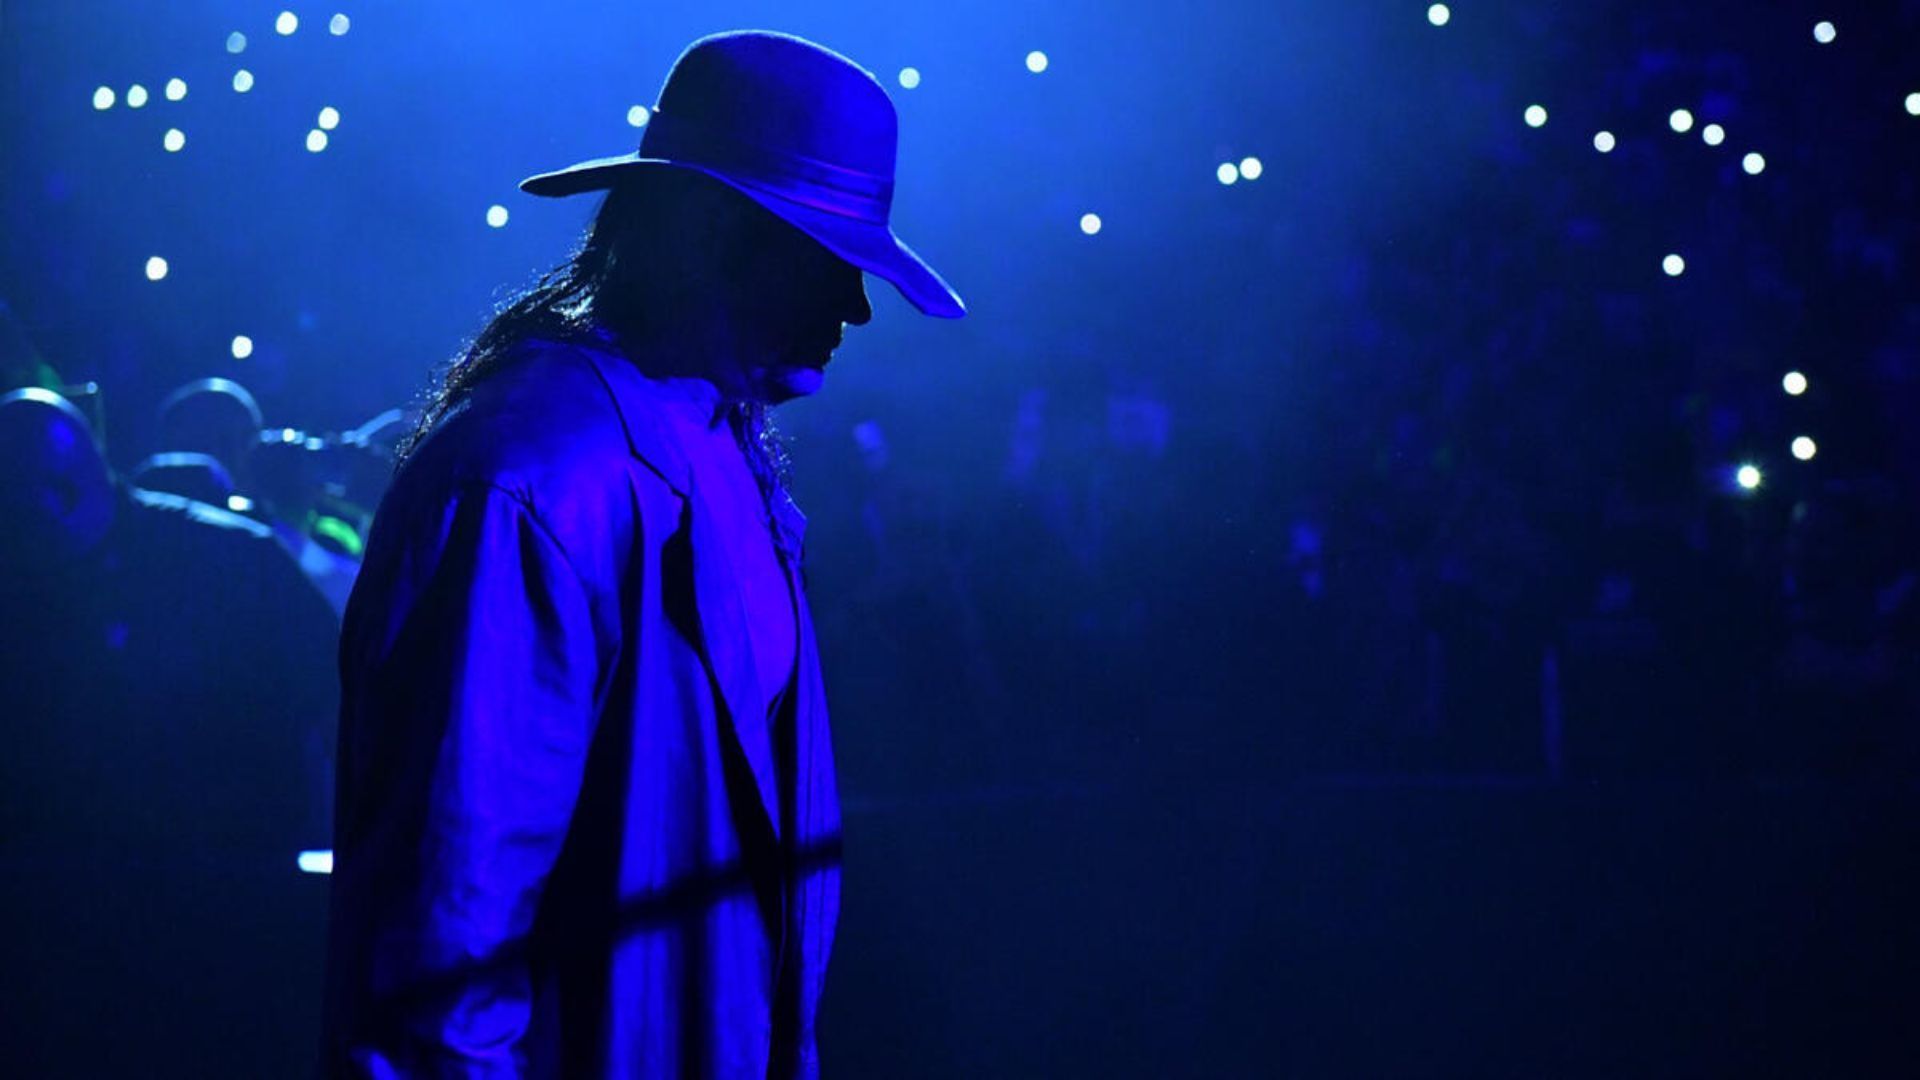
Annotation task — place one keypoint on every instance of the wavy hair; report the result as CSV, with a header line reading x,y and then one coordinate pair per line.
x,y
603,285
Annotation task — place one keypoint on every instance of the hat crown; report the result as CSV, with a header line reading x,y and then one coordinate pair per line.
x,y
781,94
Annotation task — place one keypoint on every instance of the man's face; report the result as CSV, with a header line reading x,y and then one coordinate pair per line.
x,y
790,299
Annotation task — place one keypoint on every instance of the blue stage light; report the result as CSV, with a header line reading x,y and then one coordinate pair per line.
x,y
1824,32
1754,164
136,96
1804,448
338,25
174,140
1794,383
1439,14
1228,172
103,97
1036,61
496,215
1090,223
1680,120
1536,116
287,23
156,268
315,862
1674,265
639,115
1604,141
909,77
329,118
316,140
236,42
1250,168
176,89
1748,477
1713,134
1913,104
242,81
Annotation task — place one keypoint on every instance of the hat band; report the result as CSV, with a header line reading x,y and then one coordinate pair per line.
x,y
822,185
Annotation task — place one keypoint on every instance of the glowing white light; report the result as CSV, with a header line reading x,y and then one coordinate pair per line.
x,y
1680,120
1804,449
338,25
156,268
136,96
236,43
1748,476
1438,14
909,77
316,140
1036,61
1713,134
315,862
1913,104
1603,141
329,118
174,140
242,346
1228,172
638,116
242,81
287,23
1824,32
1090,223
1674,265
496,215
176,89
239,504
1250,168
1754,164
103,98
1536,116
1794,383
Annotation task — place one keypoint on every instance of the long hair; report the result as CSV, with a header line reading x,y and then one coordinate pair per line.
x,y
624,255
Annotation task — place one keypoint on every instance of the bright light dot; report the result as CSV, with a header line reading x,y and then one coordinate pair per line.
x,y
1804,449
1674,265
315,862
1250,168
236,43
496,215
156,268
1913,104
329,118
909,77
316,140
1438,14
239,504
1036,61
1680,120
1228,172
1713,134
242,81
1794,383
242,346
1536,116
338,25
287,23
1754,164
1603,141
1748,476
1824,32
103,98
639,115
176,89
136,96
174,140
1090,223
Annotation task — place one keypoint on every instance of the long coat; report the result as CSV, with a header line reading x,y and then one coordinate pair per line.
x,y
571,839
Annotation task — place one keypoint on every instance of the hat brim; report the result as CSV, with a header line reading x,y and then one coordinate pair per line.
x,y
868,245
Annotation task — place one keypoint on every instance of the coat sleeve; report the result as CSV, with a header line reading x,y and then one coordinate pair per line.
x,y
469,664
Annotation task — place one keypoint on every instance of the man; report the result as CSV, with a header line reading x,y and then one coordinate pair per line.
x,y
587,823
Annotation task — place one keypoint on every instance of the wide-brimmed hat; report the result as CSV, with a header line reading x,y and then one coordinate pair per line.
x,y
797,128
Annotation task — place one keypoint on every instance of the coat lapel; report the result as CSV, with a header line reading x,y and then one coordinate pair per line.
x,y
725,645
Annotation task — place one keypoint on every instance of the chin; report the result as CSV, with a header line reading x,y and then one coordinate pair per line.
x,y
789,383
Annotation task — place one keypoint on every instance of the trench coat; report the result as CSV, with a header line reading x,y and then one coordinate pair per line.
x,y
570,837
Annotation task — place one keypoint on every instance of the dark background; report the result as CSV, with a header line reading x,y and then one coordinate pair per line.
x,y
1308,628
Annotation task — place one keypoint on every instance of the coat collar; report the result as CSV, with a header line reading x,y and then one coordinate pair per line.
x,y
725,630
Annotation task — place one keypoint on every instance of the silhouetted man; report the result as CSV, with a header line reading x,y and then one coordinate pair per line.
x,y
587,822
